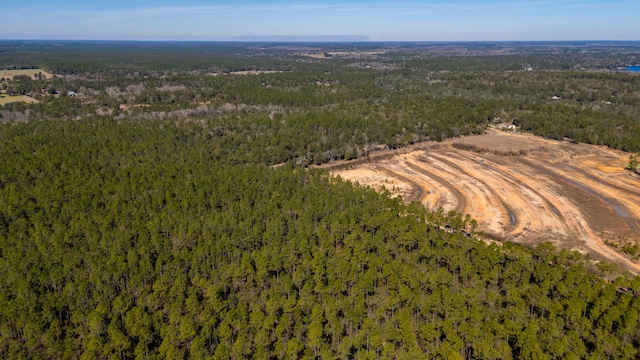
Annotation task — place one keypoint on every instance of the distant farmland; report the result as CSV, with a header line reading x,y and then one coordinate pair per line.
x,y
9,74
6,99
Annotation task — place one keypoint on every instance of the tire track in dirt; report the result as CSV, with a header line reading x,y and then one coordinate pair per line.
x,y
607,180
487,205
582,222
454,176
417,191
520,182
453,199
609,208
432,195
461,201
519,199
606,190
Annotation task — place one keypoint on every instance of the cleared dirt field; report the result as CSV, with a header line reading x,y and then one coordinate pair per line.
x,y
519,188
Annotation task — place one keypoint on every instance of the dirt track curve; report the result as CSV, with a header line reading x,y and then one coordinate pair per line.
x,y
519,188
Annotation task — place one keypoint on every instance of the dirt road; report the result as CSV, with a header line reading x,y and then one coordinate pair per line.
x,y
519,188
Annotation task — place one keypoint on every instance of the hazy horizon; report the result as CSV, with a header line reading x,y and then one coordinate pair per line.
x,y
315,40
366,20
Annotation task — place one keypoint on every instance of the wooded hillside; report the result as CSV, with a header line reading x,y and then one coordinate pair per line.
x,y
131,240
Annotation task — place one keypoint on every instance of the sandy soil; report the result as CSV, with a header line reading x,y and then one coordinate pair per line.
x,y
519,188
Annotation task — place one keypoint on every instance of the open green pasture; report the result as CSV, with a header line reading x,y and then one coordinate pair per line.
x,y
28,72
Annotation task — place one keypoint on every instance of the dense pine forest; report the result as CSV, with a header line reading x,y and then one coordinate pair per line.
x,y
142,216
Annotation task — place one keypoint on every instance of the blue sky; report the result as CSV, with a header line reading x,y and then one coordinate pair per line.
x,y
377,20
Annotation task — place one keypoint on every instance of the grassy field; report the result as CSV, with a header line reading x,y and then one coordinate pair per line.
x,y
29,72
5,99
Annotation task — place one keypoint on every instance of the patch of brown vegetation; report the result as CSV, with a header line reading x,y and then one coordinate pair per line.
x,y
171,88
248,72
254,72
125,107
331,54
519,188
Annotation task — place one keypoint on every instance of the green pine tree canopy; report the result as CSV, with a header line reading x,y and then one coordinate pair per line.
x,y
161,231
